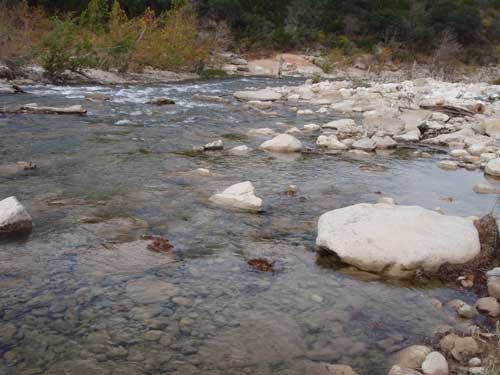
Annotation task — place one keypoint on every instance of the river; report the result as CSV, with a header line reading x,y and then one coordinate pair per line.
x,y
74,297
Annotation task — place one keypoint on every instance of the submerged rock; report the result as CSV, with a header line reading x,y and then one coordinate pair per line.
x,y
282,143
485,189
36,109
214,146
162,101
241,195
397,240
13,216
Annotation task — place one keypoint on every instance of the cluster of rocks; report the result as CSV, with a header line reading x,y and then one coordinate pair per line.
x,y
464,118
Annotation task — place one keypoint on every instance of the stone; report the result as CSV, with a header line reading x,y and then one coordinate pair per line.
x,y
485,189
411,136
475,362
214,146
461,348
339,123
398,370
467,311
488,305
305,112
494,287
435,364
265,95
331,142
240,150
493,167
446,139
241,195
477,149
491,127
162,101
412,357
458,154
448,165
147,291
282,143
293,130
311,127
210,99
7,332
397,240
477,371
365,144
203,172
383,120
261,132
384,143
13,216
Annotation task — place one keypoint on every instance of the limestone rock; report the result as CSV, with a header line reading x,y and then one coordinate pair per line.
x,y
435,364
397,240
265,95
331,142
13,216
241,196
282,143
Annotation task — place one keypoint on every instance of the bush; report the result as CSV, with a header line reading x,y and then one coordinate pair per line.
x,y
21,29
67,47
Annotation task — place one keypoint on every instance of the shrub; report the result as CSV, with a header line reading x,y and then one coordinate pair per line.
x,y
67,47
21,28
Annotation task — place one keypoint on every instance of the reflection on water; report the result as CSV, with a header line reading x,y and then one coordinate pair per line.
x,y
83,295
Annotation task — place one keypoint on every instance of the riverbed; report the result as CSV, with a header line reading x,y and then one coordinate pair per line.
x,y
73,289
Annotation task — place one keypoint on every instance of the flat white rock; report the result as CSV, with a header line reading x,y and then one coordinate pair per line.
x,y
397,240
265,95
282,143
241,196
13,216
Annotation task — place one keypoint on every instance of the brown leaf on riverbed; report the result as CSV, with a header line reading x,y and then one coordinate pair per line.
x,y
159,244
261,265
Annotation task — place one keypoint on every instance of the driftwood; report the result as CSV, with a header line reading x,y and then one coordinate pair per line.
x,y
455,111
36,109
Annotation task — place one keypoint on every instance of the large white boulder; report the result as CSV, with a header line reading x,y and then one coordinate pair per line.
x,y
241,196
13,216
265,95
397,240
282,143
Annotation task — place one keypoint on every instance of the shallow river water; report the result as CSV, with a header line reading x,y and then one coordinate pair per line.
x,y
82,295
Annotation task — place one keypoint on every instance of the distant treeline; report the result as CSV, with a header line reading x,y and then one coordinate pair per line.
x,y
180,34
289,23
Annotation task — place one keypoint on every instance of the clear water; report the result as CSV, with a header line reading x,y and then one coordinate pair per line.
x,y
68,288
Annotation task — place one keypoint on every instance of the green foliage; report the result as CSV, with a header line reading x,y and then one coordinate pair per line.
x,y
67,47
212,73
